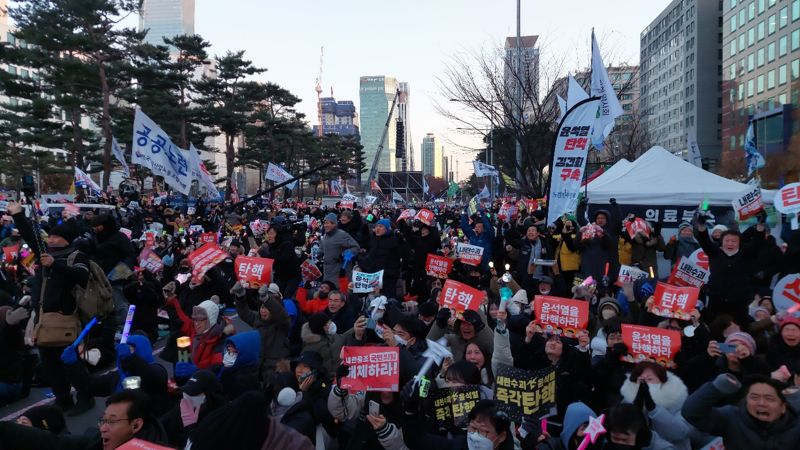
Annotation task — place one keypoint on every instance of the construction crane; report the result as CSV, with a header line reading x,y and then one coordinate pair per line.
x,y
373,172
318,88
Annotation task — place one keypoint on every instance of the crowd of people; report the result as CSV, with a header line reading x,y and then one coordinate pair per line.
x,y
212,362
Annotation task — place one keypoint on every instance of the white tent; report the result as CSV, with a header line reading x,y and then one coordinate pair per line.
x,y
613,172
660,178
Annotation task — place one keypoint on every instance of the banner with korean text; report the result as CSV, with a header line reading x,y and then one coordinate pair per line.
x,y
687,273
253,272
451,406
309,270
650,344
569,158
674,301
525,393
561,315
371,368
469,254
364,283
460,297
748,204
438,266
153,149
204,258
629,274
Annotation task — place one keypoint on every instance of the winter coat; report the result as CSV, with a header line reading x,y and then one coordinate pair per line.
x,y
207,348
274,331
457,344
345,318
739,430
243,375
523,258
680,247
566,253
483,240
111,247
385,253
285,438
12,348
327,346
332,247
286,266
643,251
147,298
779,354
666,418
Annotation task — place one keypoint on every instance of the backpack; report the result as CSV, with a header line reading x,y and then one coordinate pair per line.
x,y
95,299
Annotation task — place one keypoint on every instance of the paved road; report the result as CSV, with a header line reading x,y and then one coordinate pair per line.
x,y
88,420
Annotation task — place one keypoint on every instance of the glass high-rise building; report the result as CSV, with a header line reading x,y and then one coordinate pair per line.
x,y
432,156
166,19
376,94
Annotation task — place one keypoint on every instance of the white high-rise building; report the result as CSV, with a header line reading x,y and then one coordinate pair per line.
x,y
166,19
530,68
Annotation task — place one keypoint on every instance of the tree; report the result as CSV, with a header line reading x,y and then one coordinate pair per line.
x,y
227,102
191,56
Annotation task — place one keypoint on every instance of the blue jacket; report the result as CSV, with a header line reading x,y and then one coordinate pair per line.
x,y
483,240
243,375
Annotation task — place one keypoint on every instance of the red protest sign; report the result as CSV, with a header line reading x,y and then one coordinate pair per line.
x,y
150,239
371,368
748,204
638,225
139,444
786,294
309,270
460,297
787,199
700,259
650,343
204,258
426,216
207,238
687,273
253,272
674,301
561,315
438,266
469,254
150,261
10,253
407,214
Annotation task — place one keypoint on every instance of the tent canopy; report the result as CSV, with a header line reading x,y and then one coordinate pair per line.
x,y
660,178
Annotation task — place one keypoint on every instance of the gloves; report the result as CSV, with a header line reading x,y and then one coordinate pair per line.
x,y
69,356
16,316
341,372
263,291
442,317
168,260
123,351
643,397
612,201
189,413
184,369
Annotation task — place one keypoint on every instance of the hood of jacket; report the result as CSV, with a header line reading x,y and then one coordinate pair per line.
x,y
248,346
670,395
308,336
577,414
142,347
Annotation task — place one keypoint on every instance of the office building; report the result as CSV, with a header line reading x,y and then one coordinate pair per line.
x,y
338,117
432,156
445,166
680,67
405,155
166,19
376,94
530,71
761,83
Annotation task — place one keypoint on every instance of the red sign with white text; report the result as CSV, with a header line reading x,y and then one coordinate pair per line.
x,y
426,216
253,272
638,225
561,315
204,258
371,368
674,301
460,297
207,238
438,266
469,254
309,270
650,344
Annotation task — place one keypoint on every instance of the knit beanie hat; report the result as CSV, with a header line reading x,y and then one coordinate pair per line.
x,y
790,320
743,338
330,217
386,224
474,318
722,228
684,225
211,310
316,323
65,230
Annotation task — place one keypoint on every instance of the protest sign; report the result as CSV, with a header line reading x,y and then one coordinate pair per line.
x,y
127,232
3,205
787,199
190,210
150,261
207,238
259,227
407,214
10,253
438,266
687,273
469,254
425,216
371,368
369,200
507,211
364,283
748,204
460,297
345,204
196,229
205,258
699,259
674,301
786,294
451,406
650,343
139,444
525,393
561,315
629,274
309,270
638,225
253,272
71,210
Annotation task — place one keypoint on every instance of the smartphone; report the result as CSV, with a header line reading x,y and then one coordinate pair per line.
x,y
374,408
371,324
726,348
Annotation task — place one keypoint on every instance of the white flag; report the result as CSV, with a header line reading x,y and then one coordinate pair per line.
x,y
117,151
369,200
425,187
694,150
483,170
152,148
397,197
484,193
278,174
562,107
575,93
200,173
84,181
610,108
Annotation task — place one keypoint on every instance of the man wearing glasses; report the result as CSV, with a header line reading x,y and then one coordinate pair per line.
x,y
126,417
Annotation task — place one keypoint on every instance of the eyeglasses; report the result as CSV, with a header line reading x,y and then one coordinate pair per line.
x,y
101,421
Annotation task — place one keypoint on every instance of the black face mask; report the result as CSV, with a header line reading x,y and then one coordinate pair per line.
x,y
323,294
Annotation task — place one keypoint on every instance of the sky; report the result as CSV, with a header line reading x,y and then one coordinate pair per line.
x,y
414,41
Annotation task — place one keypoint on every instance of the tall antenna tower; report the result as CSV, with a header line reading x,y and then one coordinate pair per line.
x,y
318,88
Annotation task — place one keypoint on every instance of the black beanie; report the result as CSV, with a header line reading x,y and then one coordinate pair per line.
x,y
316,323
65,230
428,309
474,318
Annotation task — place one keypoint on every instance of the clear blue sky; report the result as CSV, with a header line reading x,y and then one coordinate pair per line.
x,y
411,40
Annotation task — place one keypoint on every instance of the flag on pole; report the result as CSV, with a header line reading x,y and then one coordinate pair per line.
x,y
694,150
483,170
484,193
452,189
397,197
335,188
575,93
82,180
510,183
117,151
200,173
152,148
610,107
373,185
425,187
754,159
279,174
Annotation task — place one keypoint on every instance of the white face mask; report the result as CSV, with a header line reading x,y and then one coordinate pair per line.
x,y
400,340
477,441
547,292
228,359
513,308
196,400
607,313
331,329
93,356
